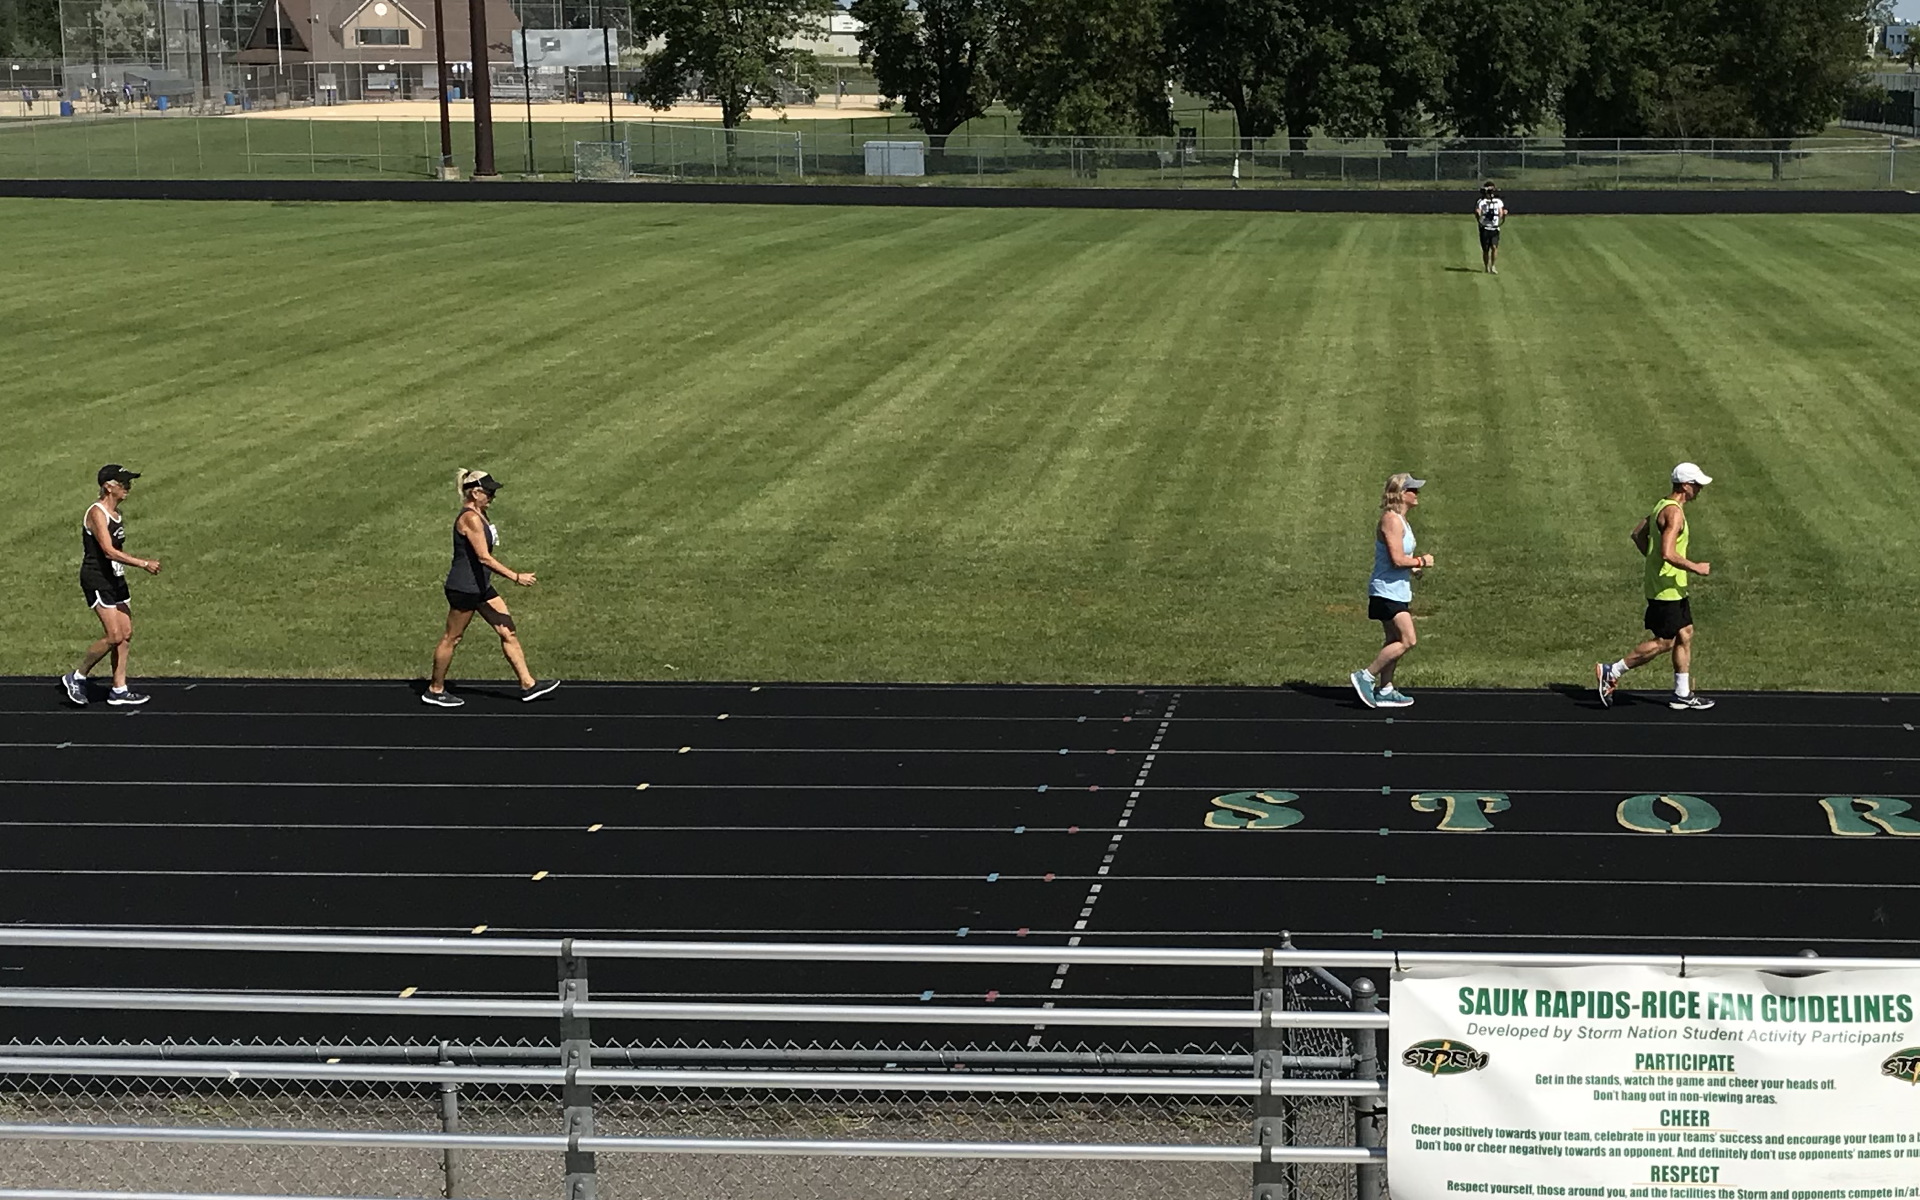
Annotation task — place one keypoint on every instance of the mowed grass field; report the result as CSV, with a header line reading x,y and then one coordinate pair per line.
x,y
816,443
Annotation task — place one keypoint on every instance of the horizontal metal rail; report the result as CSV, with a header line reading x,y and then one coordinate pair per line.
x,y
58,1194
482,947
892,1081
1109,1151
879,1014
768,1057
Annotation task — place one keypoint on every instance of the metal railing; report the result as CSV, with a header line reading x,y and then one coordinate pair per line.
x,y
1297,1114
1293,1108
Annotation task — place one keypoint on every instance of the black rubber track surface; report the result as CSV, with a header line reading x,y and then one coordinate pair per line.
x,y
1020,815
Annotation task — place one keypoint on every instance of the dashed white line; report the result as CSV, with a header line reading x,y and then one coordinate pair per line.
x,y
1113,850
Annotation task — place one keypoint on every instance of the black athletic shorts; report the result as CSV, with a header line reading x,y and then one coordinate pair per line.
x,y
1489,238
470,601
1666,618
1379,608
108,592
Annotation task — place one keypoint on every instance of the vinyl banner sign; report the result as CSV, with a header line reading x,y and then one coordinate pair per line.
x,y
1631,1082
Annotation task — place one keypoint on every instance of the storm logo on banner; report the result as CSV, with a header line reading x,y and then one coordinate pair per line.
x,y
1904,1065
1443,1056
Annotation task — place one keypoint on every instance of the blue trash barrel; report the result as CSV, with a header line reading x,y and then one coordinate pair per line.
x,y
66,108
161,104
229,99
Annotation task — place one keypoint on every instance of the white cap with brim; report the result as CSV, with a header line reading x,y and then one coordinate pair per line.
x,y
1414,485
1688,472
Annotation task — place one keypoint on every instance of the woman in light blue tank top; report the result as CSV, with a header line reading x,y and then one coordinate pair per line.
x,y
1390,592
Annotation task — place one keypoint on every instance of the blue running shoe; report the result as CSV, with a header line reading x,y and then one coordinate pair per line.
x,y
1363,686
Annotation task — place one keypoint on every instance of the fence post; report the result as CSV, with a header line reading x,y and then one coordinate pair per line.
x,y
576,1052
453,1187
1271,1180
1369,1113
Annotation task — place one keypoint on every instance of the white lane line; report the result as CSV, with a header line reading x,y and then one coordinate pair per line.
x,y
1113,849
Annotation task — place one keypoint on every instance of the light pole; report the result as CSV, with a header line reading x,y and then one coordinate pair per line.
x,y
206,75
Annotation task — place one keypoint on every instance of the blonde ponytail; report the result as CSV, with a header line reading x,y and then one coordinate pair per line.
x,y
464,479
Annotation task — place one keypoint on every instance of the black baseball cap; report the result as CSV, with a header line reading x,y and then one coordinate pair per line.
x,y
487,484
117,474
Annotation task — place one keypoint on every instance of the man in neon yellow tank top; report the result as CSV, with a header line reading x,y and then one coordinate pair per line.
x,y
1662,539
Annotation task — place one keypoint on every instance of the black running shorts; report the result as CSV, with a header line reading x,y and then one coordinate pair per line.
x,y
470,601
1489,238
1666,618
1379,608
110,592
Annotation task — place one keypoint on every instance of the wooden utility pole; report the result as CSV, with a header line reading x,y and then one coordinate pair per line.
x,y
482,93
440,64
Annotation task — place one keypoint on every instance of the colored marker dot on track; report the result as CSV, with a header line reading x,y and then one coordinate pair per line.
x,y
642,787
406,993
993,995
1125,720
1079,720
1063,749
1389,720
721,717
1047,878
927,995
1386,753
479,929
1041,788
684,749
1378,934
1379,878
1384,831
993,877
1386,791
1073,829
1020,932
1094,788
1109,749
755,688
331,1060
539,875
962,931
596,827
1019,828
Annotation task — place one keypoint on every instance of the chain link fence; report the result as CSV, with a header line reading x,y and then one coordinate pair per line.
x,y
155,145
712,1112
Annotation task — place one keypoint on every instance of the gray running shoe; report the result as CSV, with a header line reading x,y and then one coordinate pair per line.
x,y
75,685
539,689
1695,703
125,699
441,699
1392,697
1363,687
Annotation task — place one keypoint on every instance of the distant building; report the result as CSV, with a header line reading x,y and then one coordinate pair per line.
x,y
1891,40
836,37
337,50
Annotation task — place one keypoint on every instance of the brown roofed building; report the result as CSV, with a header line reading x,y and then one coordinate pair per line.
x,y
367,49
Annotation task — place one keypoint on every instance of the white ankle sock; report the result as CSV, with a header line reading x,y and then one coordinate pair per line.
x,y
1619,668
1682,684
1366,674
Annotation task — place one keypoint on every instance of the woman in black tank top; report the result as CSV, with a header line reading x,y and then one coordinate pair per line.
x,y
103,584
469,590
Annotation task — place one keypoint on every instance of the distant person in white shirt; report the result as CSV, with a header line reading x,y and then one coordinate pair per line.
x,y
1489,213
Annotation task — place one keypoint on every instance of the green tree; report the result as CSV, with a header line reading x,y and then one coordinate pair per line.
x,y
1791,64
932,56
30,28
1635,52
1085,68
1278,64
1505,62
737,51
1398,40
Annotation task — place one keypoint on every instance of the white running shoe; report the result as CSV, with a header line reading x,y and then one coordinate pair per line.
x,y
1392,697
1604,682
75,685
1695,703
